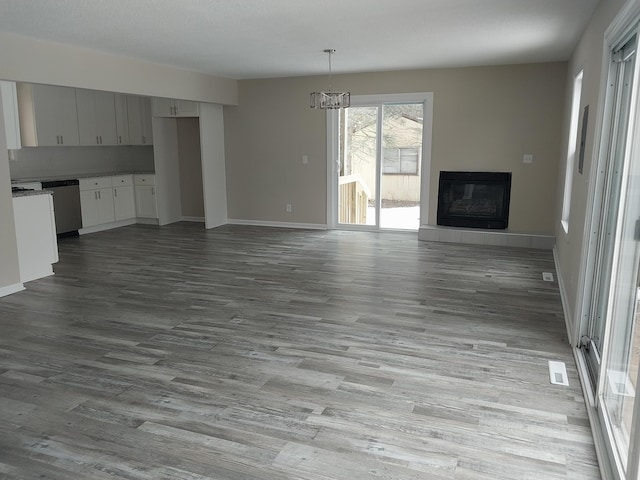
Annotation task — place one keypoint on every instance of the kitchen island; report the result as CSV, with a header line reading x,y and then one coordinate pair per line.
x,y
35,233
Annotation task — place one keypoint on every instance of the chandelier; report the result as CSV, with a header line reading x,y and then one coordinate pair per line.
x,y
329,99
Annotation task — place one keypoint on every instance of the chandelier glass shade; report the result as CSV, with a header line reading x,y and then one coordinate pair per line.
x,y
329,99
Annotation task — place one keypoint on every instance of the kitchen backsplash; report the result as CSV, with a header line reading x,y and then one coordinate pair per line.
x,y
37,162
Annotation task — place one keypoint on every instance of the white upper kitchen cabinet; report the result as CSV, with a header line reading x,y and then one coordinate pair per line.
x,y
48,115
122,119
169,107
139,113
10,113
147,130
96,117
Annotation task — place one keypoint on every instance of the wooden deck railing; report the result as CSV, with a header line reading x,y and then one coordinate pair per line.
x,y
354,199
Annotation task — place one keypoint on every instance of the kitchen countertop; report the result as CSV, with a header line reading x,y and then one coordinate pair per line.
x,y
83,175
28,193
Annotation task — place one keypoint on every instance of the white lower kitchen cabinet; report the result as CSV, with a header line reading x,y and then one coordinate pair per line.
x,y
146,202
97,207
123,198
36,235
145,189
115,201
96,201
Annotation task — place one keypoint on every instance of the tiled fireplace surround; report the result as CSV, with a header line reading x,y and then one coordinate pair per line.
x,y
488,185
476,236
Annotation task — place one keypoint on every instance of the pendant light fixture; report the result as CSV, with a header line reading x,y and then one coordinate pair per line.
x,y
329,99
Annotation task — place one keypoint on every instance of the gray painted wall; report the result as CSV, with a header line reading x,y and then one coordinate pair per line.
x,y
484,118
569,247
9,267
190,167
31,60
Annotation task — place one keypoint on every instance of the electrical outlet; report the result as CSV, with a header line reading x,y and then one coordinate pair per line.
x,y
305,159
527,158
288,208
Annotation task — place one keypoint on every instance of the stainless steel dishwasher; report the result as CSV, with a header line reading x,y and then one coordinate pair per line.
x,y
66,205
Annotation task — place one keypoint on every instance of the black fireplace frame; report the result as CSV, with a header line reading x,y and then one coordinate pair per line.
x,y
498,222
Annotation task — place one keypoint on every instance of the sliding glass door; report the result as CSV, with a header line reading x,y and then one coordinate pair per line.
x,y
358,175
611,340
380,165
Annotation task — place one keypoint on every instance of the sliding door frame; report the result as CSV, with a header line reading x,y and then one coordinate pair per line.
x,y
622,27
333,140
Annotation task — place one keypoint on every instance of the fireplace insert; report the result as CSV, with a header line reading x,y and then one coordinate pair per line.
x,y
474,199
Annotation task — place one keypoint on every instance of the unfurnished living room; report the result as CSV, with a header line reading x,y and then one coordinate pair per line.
x,y
319,240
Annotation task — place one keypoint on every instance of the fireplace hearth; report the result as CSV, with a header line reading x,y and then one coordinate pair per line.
x,y
474,199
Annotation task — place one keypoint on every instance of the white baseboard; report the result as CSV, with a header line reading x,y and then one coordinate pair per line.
x,y
192,219
261,223
566,310
107,226
147,221
11,289
41,272
475,236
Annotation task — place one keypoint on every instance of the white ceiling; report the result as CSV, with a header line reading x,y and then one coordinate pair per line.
x,y
274,38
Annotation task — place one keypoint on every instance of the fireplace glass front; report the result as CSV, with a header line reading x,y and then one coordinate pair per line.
x,y
474,199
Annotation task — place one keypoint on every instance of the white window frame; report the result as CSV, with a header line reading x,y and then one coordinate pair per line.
x,y
571,150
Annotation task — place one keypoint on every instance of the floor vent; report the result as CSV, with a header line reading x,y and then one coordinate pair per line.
x,y
547,276
558,373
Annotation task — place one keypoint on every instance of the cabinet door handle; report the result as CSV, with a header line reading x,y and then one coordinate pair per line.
x,y
58,139
100,139
119,138
153,191
115,192
95,195
97,140
61,140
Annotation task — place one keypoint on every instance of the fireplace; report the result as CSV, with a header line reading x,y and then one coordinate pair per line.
x,y
474,199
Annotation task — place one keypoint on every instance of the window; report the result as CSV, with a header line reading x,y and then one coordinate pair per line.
x,y
571,151
401,161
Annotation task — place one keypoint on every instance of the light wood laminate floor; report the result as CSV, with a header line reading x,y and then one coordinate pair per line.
x,y
259,353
